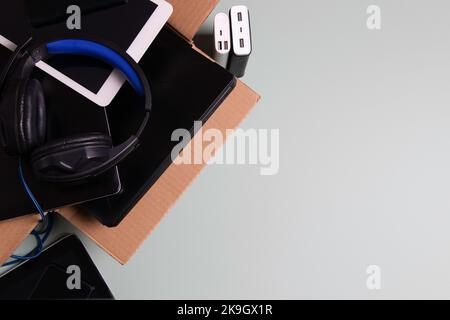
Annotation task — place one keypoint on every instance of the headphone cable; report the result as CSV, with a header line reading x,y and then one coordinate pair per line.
x,y
42,235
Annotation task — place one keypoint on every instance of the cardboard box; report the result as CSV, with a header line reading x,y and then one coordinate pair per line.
x,y
123,241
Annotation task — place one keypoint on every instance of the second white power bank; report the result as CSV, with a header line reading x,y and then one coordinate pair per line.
x,y
241,40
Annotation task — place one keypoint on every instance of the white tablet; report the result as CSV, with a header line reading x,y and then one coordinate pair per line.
x,y
133,26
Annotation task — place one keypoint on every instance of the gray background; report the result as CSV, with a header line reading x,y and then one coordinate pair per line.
x,y
365,167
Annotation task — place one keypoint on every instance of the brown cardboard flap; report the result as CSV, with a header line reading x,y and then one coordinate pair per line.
x,y
123,241
189,15
13,233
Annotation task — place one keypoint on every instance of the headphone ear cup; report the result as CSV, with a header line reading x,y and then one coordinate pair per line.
x,y
67,159
32,116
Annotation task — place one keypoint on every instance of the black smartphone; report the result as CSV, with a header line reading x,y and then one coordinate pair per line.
x,y
54,275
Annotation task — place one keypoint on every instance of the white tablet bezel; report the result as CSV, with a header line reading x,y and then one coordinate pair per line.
x,y
115,80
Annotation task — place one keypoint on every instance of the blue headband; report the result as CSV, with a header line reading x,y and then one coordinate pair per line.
x,y
101,52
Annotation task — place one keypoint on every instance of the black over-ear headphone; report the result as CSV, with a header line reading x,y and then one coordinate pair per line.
x,y
23,114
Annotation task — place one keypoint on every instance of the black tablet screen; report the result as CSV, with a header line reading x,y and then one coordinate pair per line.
x,y
186,87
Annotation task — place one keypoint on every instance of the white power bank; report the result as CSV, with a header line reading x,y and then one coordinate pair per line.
x,y
222,39
241,40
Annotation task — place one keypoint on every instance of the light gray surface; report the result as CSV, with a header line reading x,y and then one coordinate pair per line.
x,y
365,167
